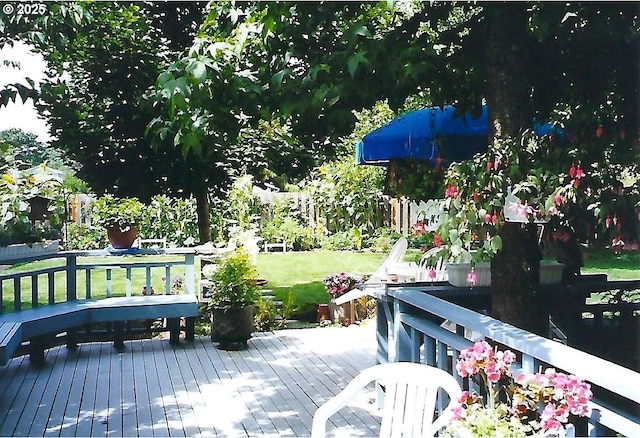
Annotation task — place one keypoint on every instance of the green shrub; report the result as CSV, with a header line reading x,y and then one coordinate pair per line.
x,y
80,237
173,218
345,240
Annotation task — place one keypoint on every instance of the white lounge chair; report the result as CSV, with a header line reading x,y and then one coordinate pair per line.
x,y
391,263
415,404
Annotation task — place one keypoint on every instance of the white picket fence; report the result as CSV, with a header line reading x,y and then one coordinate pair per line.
x,y
399,214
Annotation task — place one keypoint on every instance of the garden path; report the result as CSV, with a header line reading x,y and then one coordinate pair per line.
x,y
152,389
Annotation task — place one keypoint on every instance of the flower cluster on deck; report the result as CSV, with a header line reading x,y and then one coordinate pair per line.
x,y
529,403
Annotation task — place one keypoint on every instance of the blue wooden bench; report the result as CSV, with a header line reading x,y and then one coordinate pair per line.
x,y
40,316
39,325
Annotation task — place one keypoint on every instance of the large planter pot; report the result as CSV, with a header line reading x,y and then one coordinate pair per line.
x,y
457,273
232,327
551,272
120,239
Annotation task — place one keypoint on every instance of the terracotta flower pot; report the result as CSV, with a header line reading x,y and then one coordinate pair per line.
x,y
122,240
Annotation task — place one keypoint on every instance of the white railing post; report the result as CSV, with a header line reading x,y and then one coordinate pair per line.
x,y
189,274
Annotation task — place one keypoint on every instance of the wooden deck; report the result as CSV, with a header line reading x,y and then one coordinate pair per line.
x,y
153,389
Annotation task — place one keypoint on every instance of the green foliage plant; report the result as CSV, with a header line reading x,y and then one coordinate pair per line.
x,y
16,188
169,217
123,213
232,281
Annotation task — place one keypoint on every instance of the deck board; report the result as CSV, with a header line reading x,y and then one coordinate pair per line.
x,y
193,389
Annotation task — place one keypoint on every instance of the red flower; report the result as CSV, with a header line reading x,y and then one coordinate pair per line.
x,y
572,171
607,221
489,166
476,197
558,199
579,173
487,218
599,131
452,192
494,219
436,240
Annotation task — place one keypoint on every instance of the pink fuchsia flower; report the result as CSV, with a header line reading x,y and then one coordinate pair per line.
x,y
452,192
496,164
558,199
579,172
472,278
437,241
494,219
431,273
599,131
489,166
572,171
607,221
418,228
487,218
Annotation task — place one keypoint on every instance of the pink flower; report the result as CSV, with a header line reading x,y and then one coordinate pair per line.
x,y
472,278
487,218
599,131
494,219
418,228
436,240
607,221
489,166
558,199
431,273
451,192
572,171
579,173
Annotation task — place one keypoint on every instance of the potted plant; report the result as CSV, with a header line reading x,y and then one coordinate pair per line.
x,y
232,300
338,285
119,216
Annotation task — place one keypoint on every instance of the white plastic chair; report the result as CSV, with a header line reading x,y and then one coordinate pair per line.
x,y
394,258
439,267
411,393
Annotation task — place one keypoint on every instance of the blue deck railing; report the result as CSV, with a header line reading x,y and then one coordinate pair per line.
x,y
37,287
417,326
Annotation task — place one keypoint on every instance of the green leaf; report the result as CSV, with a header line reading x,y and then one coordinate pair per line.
x,y
355,60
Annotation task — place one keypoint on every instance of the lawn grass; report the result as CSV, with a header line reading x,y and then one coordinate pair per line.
x,y
297,276
625,266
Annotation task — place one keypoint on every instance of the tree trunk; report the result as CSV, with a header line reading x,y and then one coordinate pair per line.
x,y
204,221
515,279
515,269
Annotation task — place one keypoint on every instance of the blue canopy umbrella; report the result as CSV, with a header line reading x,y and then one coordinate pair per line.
x,y
427,134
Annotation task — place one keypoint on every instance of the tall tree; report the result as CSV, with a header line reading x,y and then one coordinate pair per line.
x,y
314,63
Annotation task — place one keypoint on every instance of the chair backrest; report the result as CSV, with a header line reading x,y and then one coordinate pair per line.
x,y
426,263
395,256
418,399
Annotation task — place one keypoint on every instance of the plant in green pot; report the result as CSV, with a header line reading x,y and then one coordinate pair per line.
x,y
119,216
232,300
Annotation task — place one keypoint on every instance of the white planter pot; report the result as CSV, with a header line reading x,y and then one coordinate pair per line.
x,y
551,272
457,273
20,250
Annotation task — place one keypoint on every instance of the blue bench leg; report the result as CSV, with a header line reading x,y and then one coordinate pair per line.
x,y
118,335
190,331
72,339
37,345
174,330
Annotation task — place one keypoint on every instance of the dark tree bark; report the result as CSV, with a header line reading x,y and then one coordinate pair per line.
x,y
204,221
515,279
514,270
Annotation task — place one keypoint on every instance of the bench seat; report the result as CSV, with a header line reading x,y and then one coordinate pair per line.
x,y
33,324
